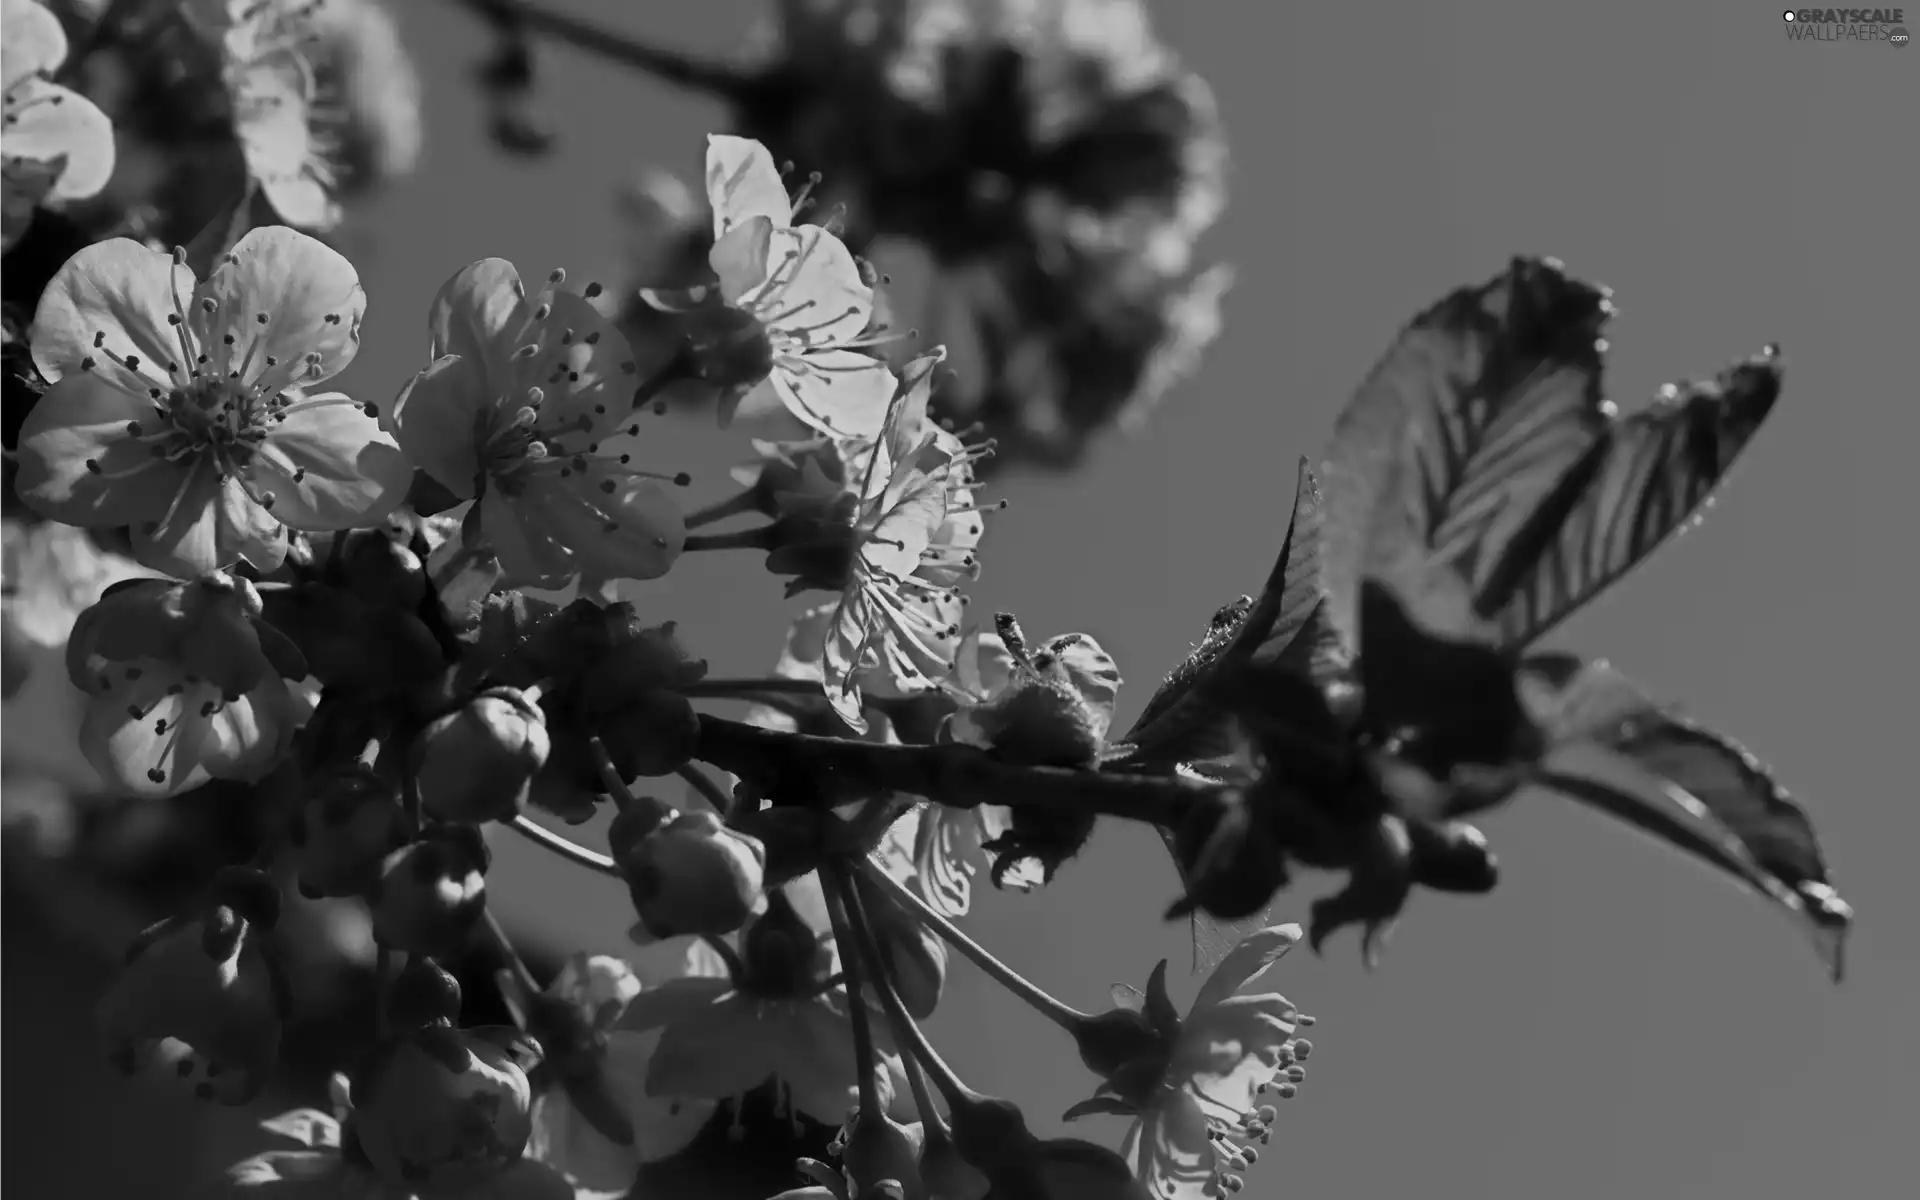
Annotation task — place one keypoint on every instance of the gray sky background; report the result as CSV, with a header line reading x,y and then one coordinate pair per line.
x,y
1613,1021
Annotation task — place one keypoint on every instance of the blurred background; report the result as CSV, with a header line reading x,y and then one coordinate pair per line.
x,y
1612,1020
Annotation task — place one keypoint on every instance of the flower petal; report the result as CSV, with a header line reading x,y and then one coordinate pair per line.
x,y
329,465
671,1002
84,418
715,1052
617,526
1169,1150
521,537
152,742
743,183
122,290
434,421
48,121
211,524
273,122
308,1126
814,296
584,369
477,310
1093,674
286,297
31,41
813,1055
661,1128
841,392
1245,963
740,259
1228,1049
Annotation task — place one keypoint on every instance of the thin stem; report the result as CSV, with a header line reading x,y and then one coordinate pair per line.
x,y
736,505
933,1127
905,1030
708,789
855,969
410,794
513,16
957,775
1063,1015
547,839
623,797
727,689
758,538
386,969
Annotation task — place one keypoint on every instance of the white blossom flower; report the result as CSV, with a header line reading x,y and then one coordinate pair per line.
x,y
803,287
1198,1115
55,144
914,534
600,988
513,410
176,405
287,130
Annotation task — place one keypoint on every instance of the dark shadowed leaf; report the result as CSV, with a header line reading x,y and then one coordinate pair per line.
x,y
1480,473
1620,752
1257,662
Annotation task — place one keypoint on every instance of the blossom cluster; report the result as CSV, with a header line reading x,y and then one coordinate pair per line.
x,y
245,577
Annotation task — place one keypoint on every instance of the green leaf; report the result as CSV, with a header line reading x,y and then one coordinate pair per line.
x,y
1482,476
1620,752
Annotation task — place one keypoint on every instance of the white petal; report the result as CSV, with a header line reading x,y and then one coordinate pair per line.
x,y
814,295
330,466
125,291
840,392
284,296
48,121
743,182
273,122
434,421
31,41
1246,962
477,312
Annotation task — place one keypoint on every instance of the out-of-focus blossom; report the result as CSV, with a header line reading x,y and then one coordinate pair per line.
x,y
201,998
512,412
287,133
176,406
51,574
1199,1099
361,64
607,1069
56,145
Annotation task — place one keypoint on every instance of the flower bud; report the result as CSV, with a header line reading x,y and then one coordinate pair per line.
x,y
439,1111
652,734
694,875
879,1149
431,893
200,996
1115,1038
728,347
914,957
343,833
946,1175
477,764
381,572
1452,857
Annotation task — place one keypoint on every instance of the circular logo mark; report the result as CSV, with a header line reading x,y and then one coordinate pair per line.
x,y
1789,14
1898,35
